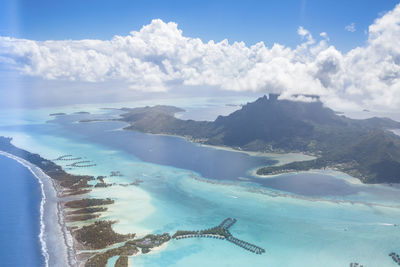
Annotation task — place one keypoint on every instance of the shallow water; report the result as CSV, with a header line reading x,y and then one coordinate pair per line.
x,y
306,219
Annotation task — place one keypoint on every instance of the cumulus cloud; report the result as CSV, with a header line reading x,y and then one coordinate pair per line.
x,y
306,35
324,35
159,58
351,27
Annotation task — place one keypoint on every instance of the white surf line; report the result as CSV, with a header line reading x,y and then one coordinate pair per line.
x,y
68,240
43,244
383,224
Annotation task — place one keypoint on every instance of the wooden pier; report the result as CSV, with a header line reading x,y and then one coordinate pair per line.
x,y
227,223
220,232
356,264
246,245
395,257
81,164
67,158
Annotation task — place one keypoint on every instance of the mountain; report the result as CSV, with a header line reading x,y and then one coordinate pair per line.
x,y
362,148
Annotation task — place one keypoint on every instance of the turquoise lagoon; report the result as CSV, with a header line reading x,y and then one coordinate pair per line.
x,y
298,219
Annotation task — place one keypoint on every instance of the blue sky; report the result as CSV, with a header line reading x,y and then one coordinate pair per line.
x,y
355,65
250,21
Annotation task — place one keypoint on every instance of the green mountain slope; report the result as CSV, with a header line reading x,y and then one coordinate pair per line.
x,y
362,148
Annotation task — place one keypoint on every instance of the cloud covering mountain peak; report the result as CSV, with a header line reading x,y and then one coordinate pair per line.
x,y
159,57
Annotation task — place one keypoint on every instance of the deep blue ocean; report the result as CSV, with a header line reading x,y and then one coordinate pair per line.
x,y
20,197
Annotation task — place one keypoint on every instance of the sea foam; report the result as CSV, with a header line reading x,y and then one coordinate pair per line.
x,y
39,175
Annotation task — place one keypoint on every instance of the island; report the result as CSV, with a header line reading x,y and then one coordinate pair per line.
x,y
366,149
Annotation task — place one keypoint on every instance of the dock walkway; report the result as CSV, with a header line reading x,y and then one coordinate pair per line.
x,y
221,232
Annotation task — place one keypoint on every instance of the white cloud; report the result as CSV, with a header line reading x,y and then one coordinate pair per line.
x,y
159,58
324,35
305,34
351,27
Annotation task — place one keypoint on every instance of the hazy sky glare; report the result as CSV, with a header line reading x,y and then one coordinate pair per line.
x,y
250,21
345,51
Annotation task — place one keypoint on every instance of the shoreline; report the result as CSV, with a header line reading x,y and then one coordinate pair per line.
x,y
67,241
327,171
153,250
281,157
58,241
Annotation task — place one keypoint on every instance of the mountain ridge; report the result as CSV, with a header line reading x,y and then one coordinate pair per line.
x,y
362,148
